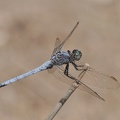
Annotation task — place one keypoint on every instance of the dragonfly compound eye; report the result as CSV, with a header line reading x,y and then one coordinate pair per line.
x,y
77,54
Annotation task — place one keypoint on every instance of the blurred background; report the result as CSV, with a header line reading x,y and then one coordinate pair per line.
x,y
28,30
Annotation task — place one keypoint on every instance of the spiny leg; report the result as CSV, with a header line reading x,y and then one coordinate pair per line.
x,y
78,67
66,69
66,72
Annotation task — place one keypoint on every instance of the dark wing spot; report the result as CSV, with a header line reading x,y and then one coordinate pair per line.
x,y
113,78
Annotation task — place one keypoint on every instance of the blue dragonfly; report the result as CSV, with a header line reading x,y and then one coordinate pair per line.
x,y
59,64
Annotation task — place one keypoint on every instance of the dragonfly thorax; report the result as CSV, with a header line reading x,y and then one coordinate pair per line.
x,y
60,58
76,55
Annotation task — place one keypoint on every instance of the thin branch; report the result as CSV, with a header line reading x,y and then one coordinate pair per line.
x,y
59,105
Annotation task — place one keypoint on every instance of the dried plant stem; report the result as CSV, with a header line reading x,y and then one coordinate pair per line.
x,y
62,101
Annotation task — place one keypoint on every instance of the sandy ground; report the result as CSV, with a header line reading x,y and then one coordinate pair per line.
x,y
28,30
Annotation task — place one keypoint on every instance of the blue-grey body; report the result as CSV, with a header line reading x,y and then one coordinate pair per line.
x,y
61,58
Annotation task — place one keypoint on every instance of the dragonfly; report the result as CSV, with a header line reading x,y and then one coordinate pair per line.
x,y
59,64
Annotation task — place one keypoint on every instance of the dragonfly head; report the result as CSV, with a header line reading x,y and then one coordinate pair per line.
x,y
76,54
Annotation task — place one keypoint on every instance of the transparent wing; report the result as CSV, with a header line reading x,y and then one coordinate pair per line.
x,y
59,44
85,88
56,47
58,72
100,79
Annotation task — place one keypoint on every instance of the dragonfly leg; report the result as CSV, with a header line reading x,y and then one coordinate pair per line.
x,y
66,69
71,77
78,67
69,52
67,74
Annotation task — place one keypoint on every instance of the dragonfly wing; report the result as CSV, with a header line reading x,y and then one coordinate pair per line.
x,y
56,47
58,73
59,46
100,79
85,88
